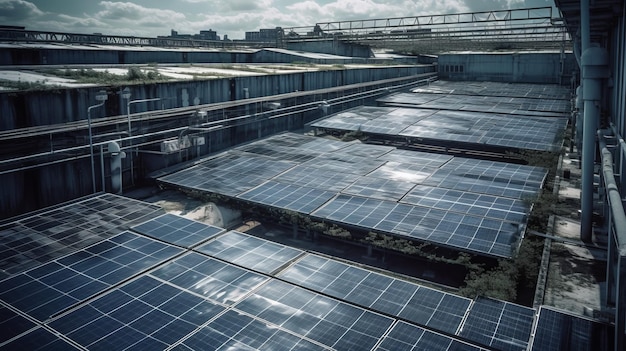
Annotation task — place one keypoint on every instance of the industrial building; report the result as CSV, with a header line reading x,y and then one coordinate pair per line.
x,y
165,195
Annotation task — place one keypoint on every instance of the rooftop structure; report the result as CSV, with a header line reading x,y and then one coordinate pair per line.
x,y
108,271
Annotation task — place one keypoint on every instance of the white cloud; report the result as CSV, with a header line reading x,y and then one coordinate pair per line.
x,y
128,11
16,11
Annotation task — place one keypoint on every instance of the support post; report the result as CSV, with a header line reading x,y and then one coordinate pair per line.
x,y
595,62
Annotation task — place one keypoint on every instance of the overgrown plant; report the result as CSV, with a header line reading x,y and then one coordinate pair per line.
x,y
504,280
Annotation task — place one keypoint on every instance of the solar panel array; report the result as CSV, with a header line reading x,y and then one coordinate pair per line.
x,y
443,124
205,288
499,89
480,115
458,203
217,290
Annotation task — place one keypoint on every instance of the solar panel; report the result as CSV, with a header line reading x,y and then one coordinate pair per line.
x,y
290,197
143,314
414,173
379,188
53,287
498,89
39,238
237,331
134,292
487,177
319,318
498,324
415,303
559,330
441,123
177,230
250,252
476,234
313,177
489,206
425,159
345,164
407,337
215,280
280,153
230,174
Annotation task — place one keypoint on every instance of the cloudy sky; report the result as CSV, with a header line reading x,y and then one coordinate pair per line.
x,y
232,17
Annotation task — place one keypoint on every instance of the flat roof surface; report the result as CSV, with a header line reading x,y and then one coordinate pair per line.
x,y
466,204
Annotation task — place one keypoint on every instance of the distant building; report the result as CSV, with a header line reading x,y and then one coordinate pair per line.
x,y
253,36
208,35
203,35
265,34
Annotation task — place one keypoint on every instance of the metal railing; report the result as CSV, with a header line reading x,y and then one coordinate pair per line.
x,y
615,221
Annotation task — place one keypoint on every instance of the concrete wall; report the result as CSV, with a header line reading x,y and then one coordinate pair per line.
x,y
36,108
507,67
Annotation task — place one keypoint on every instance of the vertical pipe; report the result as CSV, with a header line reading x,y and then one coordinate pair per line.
x,y
620,304
93,171
585,36
588,151
102,167
592,112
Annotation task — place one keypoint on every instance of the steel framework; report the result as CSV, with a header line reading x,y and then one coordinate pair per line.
x,y
19,35
522,28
